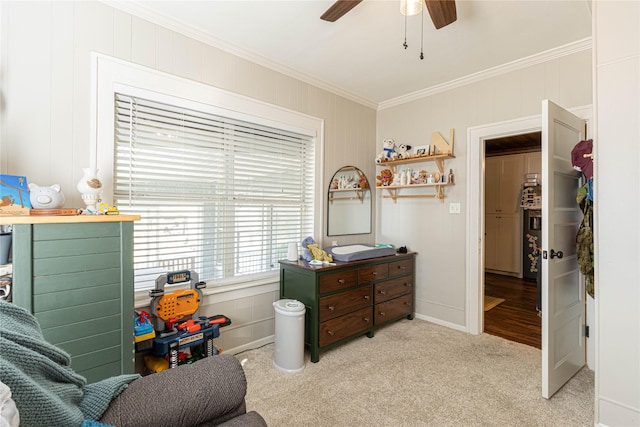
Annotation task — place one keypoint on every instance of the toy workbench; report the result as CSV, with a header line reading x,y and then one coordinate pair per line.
x,y
178,325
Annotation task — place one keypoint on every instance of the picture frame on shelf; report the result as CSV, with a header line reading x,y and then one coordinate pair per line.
x,y
421,150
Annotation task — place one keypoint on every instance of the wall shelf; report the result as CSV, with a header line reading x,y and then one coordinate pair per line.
x,y
359,194
393,190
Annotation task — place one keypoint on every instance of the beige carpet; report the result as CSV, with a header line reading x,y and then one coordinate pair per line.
x,y
491,302
414,373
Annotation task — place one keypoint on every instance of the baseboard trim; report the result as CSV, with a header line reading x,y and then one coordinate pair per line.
x,y
251,346
440,322
613,413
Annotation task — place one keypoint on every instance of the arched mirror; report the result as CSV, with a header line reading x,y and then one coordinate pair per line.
x,y
349,203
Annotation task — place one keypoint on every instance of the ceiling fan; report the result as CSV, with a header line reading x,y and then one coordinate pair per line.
x,y
443,12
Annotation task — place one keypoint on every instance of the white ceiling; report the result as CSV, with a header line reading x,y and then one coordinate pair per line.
x,y
361,54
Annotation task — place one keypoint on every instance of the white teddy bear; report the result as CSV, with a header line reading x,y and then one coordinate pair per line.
x,y
388,151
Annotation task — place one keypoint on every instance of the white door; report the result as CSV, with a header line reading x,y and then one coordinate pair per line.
x,y
563,295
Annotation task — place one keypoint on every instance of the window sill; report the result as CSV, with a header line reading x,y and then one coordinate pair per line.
x,y
221,293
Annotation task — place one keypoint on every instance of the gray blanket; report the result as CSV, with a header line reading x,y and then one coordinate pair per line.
x,y
46,390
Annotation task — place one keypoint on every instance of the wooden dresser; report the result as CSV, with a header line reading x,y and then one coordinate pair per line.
x,y
75,274
349,299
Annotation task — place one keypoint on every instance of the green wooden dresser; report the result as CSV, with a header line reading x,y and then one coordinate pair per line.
x,y
75,274
349,299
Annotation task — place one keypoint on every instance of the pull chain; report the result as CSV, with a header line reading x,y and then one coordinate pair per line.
x,y
405,33
421,34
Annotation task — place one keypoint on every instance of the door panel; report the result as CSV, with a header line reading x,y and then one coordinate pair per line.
x,y
492,184
563,296
511,180
511,232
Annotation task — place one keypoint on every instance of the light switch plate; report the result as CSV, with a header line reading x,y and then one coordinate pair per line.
x,y
454,208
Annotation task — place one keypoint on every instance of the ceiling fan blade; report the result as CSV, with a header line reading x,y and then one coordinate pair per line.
x,y
443,12
339,8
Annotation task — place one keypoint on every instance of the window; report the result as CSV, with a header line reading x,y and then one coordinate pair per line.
x,y
217,194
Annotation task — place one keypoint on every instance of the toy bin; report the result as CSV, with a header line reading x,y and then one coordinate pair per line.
x,y
289,336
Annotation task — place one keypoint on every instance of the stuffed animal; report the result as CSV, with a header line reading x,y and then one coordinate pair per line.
x,y
388,151
385,178
306,255
319,254
311,251
403,151
346,181
46,197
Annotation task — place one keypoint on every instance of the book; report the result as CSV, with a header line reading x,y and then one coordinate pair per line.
x,y
14,195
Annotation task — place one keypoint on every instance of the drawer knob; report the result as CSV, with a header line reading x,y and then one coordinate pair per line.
x,y
381,292
366,297
366,319
401,267
407,303
382,313
330,333
341,281
408,285
375,273
331,308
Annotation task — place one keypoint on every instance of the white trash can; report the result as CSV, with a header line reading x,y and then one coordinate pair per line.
x,y
289,340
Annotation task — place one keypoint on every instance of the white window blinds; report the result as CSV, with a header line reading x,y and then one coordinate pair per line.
x,y
217,195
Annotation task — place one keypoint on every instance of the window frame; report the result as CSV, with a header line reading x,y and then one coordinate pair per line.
x,y
110,75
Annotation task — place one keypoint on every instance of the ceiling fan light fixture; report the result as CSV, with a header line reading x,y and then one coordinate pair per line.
x,y
410,7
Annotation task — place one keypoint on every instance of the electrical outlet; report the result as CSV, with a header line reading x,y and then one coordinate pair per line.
x,y
454,208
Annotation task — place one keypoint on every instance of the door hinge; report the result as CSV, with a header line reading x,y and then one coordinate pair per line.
x,y
586,331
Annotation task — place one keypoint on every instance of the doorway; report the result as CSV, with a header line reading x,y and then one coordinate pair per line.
x,y
475,202
512,164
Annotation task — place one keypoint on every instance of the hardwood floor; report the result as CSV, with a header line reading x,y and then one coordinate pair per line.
x,y
516,319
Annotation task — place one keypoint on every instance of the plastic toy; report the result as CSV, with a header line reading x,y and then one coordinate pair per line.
x,y
142,328
107,209
155,364
177,323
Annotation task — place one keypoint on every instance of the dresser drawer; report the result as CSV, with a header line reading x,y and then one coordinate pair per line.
x,y
393,308
393,288
336,281
374,272
404,266
345,302
345,326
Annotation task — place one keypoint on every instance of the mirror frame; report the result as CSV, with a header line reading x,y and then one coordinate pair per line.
x,y
364,194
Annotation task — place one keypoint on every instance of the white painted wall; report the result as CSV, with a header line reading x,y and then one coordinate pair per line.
x,y
44,134
45,85
616,33
425,225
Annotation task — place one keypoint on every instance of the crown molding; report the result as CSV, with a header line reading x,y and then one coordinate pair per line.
x,y
138,9
518,64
